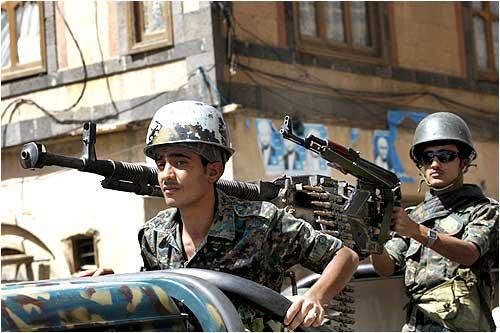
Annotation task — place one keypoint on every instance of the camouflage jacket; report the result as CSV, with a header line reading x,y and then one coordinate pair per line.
x,y
254,240
466,214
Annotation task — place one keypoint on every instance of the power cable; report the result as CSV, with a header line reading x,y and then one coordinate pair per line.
x,y
80,121
291,102
102,60
357,102
19,101
211,85
14,105
372,94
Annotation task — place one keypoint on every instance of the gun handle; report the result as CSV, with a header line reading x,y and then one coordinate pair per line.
x,y
338,148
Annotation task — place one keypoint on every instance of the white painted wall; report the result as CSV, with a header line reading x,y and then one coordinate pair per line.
x,y
61,204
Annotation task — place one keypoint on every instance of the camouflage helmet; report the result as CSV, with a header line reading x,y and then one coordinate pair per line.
x,y
191,124
443,126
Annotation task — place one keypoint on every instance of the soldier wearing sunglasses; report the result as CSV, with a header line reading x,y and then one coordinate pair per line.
x,y
448,243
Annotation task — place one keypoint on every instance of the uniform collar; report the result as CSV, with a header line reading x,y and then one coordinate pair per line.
x,y
465,192
437,206
166,224
223,225
168,227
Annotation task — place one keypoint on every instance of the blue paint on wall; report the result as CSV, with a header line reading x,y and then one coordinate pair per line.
x,y
354,136
395,118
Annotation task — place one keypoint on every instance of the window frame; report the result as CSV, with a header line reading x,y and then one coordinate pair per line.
x,y
490,74
16,71
148,42
77,262
324,47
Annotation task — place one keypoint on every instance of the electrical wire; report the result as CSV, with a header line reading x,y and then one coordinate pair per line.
x,y
221,100
102,61
362,94
15,104
294,102
125,110
363,106
20,101
448,103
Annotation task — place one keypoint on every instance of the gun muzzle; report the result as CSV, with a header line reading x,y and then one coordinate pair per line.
x,y
31,154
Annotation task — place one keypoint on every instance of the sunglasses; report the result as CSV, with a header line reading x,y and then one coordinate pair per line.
x,y
443,156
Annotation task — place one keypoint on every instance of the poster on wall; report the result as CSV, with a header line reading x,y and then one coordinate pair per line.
x,y
314,163
382,152
384,149
279,156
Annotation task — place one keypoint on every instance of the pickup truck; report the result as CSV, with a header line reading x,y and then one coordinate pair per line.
x,y
174,300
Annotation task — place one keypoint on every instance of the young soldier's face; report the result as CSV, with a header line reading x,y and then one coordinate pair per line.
x,y
441,164
183,179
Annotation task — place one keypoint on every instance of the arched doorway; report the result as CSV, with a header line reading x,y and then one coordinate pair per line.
x,y
17,265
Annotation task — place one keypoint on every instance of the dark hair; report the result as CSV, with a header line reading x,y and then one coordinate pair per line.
x,y
204,161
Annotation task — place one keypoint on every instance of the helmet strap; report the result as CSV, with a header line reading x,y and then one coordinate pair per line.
x,y
456,183
468,165
422,178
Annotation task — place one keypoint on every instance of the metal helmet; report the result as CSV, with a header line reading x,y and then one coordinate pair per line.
x,y
192,124
443,126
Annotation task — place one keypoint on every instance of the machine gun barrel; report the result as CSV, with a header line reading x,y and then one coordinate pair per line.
x,y
133,177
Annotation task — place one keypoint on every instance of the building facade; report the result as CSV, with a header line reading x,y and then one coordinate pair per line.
x,y
360,73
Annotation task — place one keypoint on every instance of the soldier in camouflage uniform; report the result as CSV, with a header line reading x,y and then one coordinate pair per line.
x,y
204,228
449,242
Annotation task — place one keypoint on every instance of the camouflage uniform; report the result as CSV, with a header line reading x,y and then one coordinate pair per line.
x,y
466,214
253,240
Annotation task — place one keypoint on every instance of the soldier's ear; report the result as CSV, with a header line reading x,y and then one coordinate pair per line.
x,y
215,171
464,162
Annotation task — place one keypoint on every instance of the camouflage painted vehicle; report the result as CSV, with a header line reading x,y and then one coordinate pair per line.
x,y
178,300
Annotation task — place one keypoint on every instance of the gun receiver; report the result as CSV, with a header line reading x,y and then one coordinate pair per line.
x,y
377,192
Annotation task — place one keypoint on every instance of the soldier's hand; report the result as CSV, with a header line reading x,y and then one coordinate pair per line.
x,y
402,224
304,311
95,272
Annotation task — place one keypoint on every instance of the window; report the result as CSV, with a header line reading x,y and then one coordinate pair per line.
x,y
149,25
485,29
339,28
83,253
23,44
80,251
